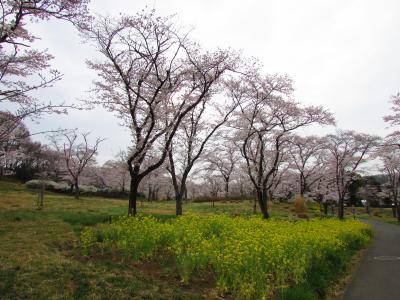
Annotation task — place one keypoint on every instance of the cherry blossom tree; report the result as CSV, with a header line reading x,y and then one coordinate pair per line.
x,y
52,166
279,178
285,184
115,172
324,190
308,157
348,150
154,184
10,148
77,155
151,76
215,184
389,152
390,158
223,159
268,116
191,139
26,159
22,68
240,185
394,119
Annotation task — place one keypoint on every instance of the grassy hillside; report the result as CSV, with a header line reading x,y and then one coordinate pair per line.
x,y
39,257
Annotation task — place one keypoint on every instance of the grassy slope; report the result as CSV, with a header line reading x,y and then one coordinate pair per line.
x,y
38,260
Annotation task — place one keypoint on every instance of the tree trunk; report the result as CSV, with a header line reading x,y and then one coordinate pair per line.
x,y
133,195
185,193
302,186
262,202
76,189
180,194
367,208
226,188
150,191
325,208
396,208
341,208
265,200
270,196
154,195
178,204
241,193
123,186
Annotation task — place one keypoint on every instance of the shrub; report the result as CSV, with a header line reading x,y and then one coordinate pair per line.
x,y
85,190
62,188
300,205
248,257
37,184
376,213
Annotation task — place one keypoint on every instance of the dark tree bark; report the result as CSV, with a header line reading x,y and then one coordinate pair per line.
x,y
133,193
325,208
226,187
76,189
341,209
367,210
262,196
398,212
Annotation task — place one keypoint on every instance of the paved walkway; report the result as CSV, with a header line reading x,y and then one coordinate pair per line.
x,y
378,276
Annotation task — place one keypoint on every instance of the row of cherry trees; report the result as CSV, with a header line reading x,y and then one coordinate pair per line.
x,y
176,98
195,116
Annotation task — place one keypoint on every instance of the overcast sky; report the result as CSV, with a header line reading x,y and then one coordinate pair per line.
x,y
342,54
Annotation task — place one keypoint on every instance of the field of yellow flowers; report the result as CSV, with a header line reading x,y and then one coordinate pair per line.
x,y
250,258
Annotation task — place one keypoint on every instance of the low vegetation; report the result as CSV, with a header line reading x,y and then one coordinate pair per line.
x,y
88,249
248,257
38,259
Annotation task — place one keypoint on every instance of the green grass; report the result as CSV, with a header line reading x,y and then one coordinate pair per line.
x,y
376,214
39,257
